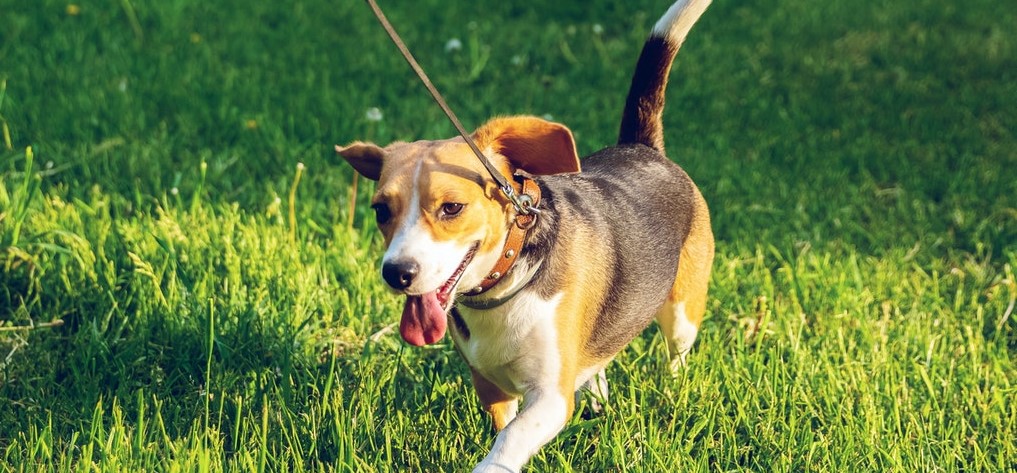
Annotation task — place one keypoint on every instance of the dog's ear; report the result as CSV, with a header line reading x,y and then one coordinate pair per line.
x,y
366,158
532,144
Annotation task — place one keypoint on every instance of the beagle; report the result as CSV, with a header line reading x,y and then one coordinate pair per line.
x,y
538,304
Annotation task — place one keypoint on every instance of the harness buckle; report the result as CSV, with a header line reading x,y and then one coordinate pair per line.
x,y
523,203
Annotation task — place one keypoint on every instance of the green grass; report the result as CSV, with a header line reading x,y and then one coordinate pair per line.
x,y
859,159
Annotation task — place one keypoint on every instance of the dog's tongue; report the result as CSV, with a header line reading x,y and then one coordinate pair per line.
x,y
423,319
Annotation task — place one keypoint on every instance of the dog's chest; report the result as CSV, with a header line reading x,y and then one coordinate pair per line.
x,y
515,344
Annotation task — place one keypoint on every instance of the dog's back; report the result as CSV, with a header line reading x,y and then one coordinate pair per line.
x,y
627,214
631,213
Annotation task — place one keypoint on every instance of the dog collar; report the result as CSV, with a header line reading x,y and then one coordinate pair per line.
x,y
514,242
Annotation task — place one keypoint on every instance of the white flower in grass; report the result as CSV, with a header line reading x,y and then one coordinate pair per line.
x,y
453,45
547,116
174,191
516,60
273,208
373,114
597,28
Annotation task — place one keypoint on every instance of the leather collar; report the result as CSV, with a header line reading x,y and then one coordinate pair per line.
x,y
514,241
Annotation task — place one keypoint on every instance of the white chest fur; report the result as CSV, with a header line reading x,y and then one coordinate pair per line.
x,y
514,345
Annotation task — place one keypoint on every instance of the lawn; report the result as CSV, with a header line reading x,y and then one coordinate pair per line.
x,y
189,277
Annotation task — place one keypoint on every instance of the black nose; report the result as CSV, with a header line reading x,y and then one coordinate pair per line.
x,y
399,275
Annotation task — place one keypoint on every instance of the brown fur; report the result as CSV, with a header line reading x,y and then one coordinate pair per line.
x,y
537,146
495,401
695,264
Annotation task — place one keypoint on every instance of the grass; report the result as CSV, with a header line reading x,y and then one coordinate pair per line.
x,y
178,294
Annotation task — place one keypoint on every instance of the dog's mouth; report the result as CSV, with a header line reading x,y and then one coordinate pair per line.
x,y
424,315
445,292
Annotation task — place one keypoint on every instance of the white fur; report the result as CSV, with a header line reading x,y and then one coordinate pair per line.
x,y
678,331
676,23
515,346
542,418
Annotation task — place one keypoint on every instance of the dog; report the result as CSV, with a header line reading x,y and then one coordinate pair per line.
x,y
539,303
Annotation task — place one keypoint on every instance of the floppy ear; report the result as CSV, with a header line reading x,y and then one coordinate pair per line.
x,y
532,144
366,158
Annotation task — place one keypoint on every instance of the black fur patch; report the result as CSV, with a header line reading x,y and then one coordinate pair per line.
x,y
460,324
641,118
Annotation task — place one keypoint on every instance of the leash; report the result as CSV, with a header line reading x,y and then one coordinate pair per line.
x,y
524,204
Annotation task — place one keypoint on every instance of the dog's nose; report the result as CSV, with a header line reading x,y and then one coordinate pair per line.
x,y
400,275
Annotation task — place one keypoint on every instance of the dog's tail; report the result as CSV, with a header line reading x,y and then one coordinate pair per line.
x,y
641,120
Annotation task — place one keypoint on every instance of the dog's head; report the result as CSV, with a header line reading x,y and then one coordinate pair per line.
x,y
442,215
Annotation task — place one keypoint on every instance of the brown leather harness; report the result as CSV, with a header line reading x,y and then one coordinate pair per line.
x,y
514,240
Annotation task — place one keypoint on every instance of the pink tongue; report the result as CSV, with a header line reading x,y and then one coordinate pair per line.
x,y
423,320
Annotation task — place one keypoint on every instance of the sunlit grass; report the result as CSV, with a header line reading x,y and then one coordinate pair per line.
x,y
188,281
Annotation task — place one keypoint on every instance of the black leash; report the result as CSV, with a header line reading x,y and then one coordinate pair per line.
x,y
523,203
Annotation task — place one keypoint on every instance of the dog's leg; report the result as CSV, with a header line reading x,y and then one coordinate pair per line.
x,y
679,331
500,405
545,411
597,387
681,315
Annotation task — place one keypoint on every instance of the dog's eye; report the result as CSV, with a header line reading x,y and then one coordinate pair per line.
x,y
451,209
381,213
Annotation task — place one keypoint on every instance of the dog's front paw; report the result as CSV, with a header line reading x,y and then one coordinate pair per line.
x,y
492,467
